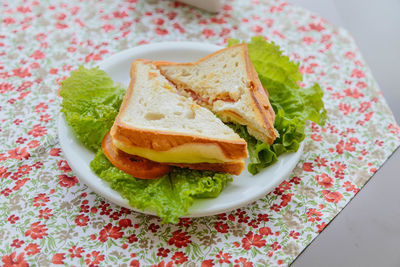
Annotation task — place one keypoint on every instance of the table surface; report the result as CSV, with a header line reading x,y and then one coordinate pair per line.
x,y
366,232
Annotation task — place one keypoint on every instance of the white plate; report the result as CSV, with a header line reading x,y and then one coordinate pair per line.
x,y
245,188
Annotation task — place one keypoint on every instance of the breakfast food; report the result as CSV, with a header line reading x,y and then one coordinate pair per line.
x,y
227,84
158,124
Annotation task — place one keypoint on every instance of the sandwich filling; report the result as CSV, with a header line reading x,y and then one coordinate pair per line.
x,y
186,153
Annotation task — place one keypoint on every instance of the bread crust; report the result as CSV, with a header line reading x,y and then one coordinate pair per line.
x,y
259,95
165,140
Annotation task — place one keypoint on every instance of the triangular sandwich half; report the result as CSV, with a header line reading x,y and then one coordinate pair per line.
x,y
226,83
158,124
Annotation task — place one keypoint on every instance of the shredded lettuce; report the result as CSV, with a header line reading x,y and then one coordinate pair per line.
x,y
292,104
91,102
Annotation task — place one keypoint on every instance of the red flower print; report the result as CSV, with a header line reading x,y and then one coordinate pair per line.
x,y
37,130
153,227
295,180
110,231
12,219
22,73
132,238
10,260
349,186
8,21
313,215
338,166
308,40
162,252
353,93
45,214
275,207
257,29
37,231
162,264
125,223
223,257
207,263
32,249
81,220
265,231
357,73
55,152
18,153
320,162
275,246
76,252
6,87
179,257
339,147
321,227
221,227
24,169
63,166
3,172
294,235
207,33
179,239
346,108
244,263
316,137
33,144
119,14
160,31
40,200
67,181
41,107
134,263
184,222
324,180
252,240
308,166
17,243
332,196
316,27
286,199
38,55
94,258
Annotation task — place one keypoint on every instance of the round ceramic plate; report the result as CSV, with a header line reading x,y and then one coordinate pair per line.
x,y
244,189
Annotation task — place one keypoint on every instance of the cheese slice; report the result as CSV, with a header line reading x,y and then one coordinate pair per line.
x,y
186,153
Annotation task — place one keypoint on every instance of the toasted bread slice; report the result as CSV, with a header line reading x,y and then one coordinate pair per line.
x,y
226,83
157,123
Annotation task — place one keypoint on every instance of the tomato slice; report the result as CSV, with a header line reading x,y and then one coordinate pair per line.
x,y
136,166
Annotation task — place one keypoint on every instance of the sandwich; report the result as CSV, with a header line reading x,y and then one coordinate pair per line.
x,y
156,123
226,83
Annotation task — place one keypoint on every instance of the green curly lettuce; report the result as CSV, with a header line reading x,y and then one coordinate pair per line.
x,y
292,104
169,196
91,102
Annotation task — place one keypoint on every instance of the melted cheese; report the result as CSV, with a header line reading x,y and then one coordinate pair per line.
x,y
187,153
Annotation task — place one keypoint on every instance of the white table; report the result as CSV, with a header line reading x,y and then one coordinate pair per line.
x,y
367,231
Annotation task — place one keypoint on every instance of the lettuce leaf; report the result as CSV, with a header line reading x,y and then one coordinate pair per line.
x,y
292,104
91,102
170,196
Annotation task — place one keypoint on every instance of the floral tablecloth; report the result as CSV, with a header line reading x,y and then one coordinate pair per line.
x,y
48,217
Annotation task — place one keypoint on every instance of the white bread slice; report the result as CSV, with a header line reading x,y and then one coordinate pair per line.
x,y
157,123
226,83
